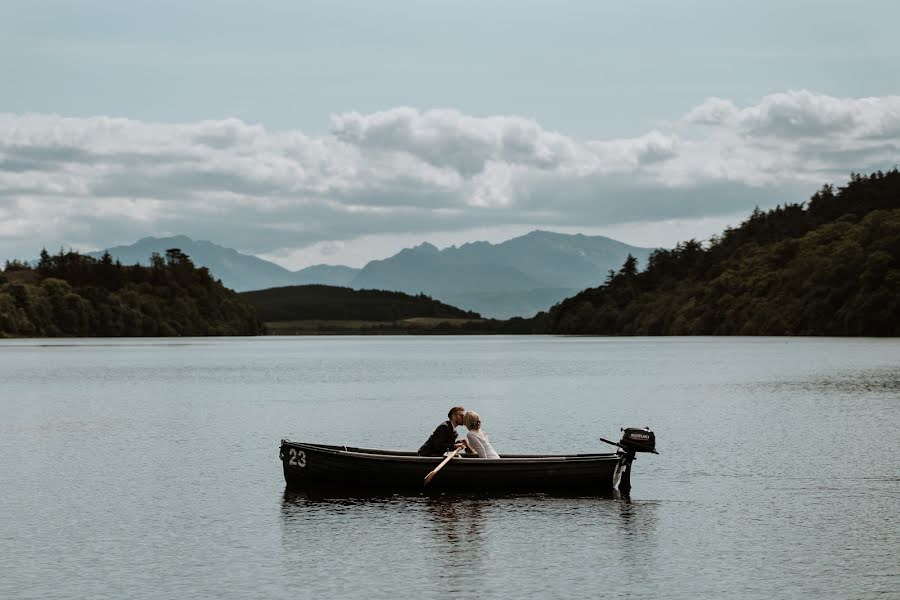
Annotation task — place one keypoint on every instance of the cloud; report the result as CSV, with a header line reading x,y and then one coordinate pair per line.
x,y
713,111
803,114
100,181
449,139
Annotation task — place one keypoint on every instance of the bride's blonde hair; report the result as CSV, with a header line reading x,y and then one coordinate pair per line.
x,y
471,420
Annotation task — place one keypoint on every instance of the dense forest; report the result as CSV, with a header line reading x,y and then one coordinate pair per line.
x,y
330,302
827,267
69,294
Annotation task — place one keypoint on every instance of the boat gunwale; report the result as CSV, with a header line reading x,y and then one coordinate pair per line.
x,y
405,456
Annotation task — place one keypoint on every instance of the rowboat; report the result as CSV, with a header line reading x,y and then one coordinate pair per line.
x,y
309,466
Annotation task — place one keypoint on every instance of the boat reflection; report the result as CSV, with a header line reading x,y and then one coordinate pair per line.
x,y
343,495
459,521
636,532
446,534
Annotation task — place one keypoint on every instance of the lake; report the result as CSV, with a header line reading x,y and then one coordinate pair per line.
x,y
148,468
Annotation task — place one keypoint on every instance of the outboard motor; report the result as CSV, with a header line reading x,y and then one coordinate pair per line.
x,y
633,440
638,440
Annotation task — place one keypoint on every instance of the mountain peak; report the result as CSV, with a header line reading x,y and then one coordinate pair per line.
x,y
426,247
174,239
543,234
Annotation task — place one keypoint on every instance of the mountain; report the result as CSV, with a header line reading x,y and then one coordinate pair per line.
x,y
506,304
425,268
518,277
336,275
237,271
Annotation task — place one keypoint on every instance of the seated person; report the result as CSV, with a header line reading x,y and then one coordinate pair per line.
x,y
443,439
478,440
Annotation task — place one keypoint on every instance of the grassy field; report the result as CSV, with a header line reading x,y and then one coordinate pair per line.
x,y
333,327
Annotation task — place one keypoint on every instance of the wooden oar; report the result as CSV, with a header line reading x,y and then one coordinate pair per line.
x,y
441,466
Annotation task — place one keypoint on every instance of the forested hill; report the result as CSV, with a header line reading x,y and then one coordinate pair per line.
x,y
329,302
71,295
829,267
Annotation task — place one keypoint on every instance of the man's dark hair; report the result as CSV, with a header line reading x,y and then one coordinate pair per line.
x,y
454,410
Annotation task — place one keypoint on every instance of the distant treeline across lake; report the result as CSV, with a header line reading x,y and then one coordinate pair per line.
x,y
324,309
69,294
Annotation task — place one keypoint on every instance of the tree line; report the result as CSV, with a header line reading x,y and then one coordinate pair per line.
x,y
70,294
339,303
827,267
325,302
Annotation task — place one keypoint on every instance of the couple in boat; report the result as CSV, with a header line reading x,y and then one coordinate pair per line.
x,y
443,439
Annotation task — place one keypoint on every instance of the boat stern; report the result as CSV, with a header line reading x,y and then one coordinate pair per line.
x,y
633,441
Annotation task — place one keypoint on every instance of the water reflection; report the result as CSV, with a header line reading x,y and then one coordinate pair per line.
x,y
458,520
304,504
637,531
850,382
461,521
435,539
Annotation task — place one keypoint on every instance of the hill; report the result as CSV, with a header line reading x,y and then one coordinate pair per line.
x,y
73,295
307,302
831,267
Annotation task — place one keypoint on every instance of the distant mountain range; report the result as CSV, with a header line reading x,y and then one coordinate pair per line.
x,y
240,272
518,277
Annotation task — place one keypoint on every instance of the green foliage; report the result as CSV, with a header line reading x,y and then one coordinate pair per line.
x,y
69,294
377,312
340,303
829,268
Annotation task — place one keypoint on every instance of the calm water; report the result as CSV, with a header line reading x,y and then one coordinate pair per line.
x,y
149,468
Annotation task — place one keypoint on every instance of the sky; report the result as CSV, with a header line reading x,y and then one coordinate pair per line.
x,y
341,132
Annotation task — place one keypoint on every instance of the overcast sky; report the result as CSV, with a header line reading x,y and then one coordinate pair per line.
x,y
338,132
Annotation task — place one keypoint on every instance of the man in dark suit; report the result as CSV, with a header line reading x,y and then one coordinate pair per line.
x,y
444,437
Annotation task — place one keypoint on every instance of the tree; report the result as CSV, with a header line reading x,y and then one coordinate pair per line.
x,y
45,263
72,294
16,265
175,257
827,268
629,268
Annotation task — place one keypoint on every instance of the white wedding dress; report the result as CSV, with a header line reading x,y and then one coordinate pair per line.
x,y
480,443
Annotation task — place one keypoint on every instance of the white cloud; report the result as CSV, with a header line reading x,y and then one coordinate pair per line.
x,y
449,139
803,114
713,111
94,182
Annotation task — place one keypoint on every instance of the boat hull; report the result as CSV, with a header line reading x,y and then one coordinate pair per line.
x,y
315,465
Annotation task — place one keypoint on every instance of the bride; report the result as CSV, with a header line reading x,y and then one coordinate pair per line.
x,y
477,439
